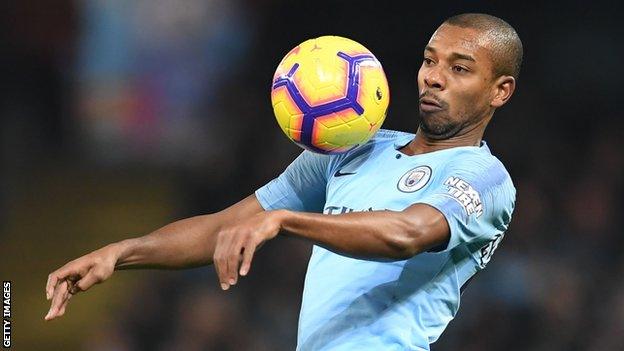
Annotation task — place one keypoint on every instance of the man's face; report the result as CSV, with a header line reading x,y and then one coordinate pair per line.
x,y
455,81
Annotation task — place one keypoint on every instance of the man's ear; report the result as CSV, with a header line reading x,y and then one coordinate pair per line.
x,y
504,87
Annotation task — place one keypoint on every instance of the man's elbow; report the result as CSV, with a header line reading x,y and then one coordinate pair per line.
x,y
415,243
415,237
403,245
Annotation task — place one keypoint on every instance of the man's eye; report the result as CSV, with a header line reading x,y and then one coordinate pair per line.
x,y
459,69
427,61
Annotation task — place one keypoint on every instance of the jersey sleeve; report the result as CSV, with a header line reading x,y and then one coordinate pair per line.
x,y
477,201
301,187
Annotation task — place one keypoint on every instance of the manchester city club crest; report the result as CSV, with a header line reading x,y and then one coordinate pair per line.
x,y
415,179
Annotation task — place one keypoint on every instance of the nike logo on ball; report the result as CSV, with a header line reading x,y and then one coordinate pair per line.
x,y
340,174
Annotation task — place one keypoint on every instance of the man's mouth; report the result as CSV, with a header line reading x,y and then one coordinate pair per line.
x,y
428,104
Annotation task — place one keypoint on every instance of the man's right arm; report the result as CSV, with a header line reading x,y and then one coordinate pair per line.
x,y
182,244
185,243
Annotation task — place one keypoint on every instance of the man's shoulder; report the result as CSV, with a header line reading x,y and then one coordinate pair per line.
x,y
480,165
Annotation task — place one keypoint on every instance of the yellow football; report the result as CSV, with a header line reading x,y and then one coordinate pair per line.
x,y
330,94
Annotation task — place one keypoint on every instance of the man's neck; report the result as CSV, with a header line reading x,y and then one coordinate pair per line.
x,y
423,143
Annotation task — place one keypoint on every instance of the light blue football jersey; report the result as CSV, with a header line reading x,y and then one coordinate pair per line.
x,y
357,304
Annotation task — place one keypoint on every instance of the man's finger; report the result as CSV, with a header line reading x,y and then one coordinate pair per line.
x,y
60,293
60,274
65,301
53,280
221,275
64,304
218,265
234,256
58,296
248,254
229,247
226,270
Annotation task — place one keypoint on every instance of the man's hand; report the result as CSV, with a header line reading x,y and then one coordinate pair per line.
x,y
237,243
79,275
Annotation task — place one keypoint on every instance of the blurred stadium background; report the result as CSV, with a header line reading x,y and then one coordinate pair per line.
x,y
117,117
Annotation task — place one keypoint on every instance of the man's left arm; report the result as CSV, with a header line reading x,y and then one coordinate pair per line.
x,y
394,235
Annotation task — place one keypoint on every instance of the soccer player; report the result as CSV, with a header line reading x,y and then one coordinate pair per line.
x,y
400,224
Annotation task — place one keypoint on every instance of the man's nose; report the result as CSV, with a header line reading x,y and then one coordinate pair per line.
x,y
435,79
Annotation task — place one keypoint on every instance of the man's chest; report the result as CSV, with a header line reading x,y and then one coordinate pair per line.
x,y
379,183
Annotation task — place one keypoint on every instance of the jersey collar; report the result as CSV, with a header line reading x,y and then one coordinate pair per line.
x,y
407,138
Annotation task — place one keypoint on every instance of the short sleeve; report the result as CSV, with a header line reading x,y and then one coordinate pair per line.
x,y
477,202
301,187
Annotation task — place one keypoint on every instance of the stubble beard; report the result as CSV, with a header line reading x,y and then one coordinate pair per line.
x,y
438,125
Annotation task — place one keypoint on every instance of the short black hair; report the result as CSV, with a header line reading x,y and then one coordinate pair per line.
x,y
506,45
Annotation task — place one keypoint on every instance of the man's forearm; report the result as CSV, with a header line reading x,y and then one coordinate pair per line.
x,y
372,234
368,235
182,244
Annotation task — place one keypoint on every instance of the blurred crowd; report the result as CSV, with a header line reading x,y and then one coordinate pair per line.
x,y
178,91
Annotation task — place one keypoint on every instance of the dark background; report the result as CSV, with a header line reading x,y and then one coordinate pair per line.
x,y
118,117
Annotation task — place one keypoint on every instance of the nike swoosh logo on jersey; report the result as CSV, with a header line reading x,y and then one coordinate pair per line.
x,y
340,174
